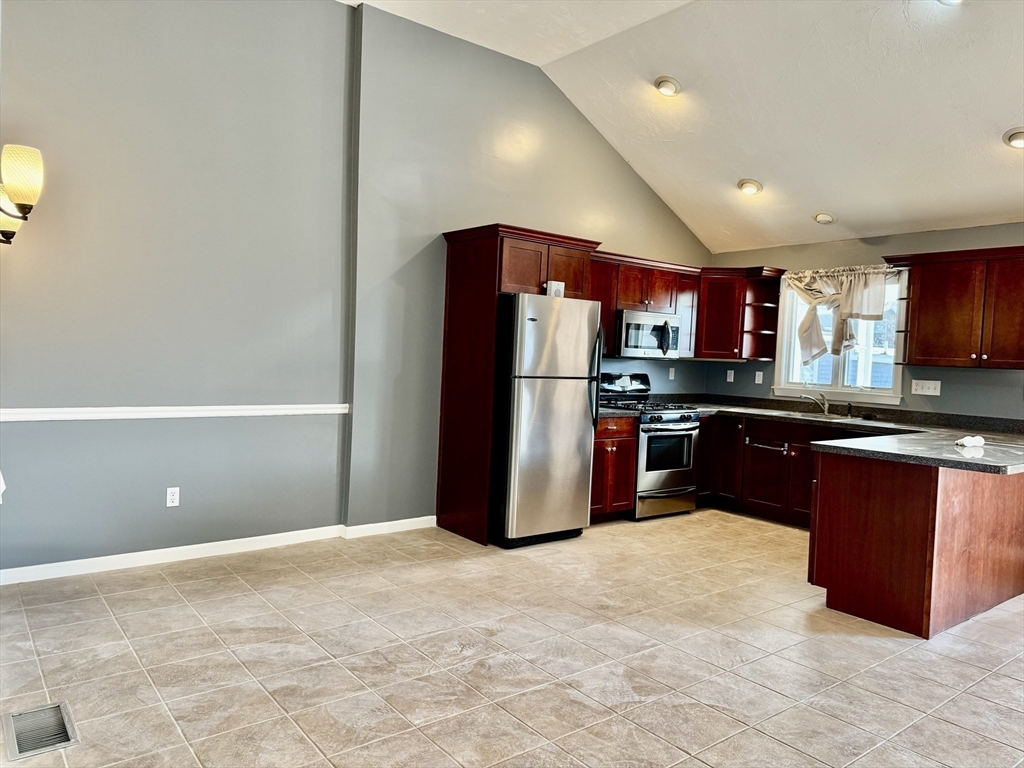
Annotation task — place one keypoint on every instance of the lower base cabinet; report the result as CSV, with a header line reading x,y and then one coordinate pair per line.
x,y
760,467
613,484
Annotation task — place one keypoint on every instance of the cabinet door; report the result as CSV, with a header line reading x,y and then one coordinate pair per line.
x,y
727,459
801,484
599,477
765,478
660,291
622,475
631,288
946,309
702,461
604,278
720,317
687,291
524,266
569,266
1002,344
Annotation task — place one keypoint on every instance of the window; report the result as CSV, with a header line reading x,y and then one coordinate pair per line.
x,y
868,373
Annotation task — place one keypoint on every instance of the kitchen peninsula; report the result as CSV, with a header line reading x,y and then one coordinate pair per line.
x,y
911,532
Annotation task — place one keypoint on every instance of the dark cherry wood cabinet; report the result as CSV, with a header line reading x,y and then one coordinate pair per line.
x,y
965,308
801,483
1002,336
481,263
646,289
916,548
632,294
766,478
569,266
661,291
720,317
947,305
687,294
703,460
613,483
603,287
727,459
524,266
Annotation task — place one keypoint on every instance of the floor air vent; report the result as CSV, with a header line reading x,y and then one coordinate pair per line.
x,y
38,730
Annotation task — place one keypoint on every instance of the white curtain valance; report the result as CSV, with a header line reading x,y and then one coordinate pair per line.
x,y
850,292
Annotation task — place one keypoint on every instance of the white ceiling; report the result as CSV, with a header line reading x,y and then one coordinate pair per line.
x,y
537,31
888,113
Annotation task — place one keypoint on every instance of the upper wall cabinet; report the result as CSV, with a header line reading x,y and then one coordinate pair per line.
x,y
527,266
646,289
966,308
738,313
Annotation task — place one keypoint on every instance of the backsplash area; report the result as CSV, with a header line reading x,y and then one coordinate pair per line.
x,y
974,392
998,393
689,375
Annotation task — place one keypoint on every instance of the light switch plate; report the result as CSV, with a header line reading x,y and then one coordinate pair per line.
x,y
759,377
922,387
730,376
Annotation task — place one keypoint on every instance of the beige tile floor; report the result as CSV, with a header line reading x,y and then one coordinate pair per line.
x,y
690,641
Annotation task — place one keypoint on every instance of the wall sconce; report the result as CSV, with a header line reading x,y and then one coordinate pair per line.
x,y
21,172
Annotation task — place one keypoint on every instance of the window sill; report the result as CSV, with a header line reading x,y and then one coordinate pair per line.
x,y
840,395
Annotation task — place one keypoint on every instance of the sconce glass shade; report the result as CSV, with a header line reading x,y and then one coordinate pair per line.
x,y
6,206
21,169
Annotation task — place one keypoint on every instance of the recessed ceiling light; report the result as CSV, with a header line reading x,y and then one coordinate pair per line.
x,y
951,2
749,186
1014,138
667,86
824,217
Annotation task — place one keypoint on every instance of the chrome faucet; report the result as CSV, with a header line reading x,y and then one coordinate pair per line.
x,y
823,402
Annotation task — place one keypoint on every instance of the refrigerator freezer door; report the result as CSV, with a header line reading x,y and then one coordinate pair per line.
x,y
552,447
555,337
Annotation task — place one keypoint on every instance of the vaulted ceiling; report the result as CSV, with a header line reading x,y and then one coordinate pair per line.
x,y
890,115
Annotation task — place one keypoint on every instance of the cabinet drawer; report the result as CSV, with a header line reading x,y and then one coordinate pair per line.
x,y
617,426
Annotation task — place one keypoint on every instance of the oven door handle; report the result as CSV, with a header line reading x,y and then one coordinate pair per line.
x,y
675,430
670,492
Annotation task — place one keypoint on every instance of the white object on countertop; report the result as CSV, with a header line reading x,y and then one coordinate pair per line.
x,y
971,451
971,441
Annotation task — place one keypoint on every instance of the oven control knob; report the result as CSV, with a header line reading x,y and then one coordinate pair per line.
x,y
657,418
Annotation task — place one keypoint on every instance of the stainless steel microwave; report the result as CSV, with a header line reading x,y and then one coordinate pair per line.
x,y
649,335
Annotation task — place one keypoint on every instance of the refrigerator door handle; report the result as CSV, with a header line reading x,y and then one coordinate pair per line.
x,y
595,405
595,356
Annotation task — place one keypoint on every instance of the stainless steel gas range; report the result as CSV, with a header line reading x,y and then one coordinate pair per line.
x,y
665,478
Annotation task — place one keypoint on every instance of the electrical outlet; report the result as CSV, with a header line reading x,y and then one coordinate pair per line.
x,y
172,497
930,388
671,374
730,376
759,377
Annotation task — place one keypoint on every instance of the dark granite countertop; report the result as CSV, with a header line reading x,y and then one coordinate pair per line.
x,y
1001,454
907,443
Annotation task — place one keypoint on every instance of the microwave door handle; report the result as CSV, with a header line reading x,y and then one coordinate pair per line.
x,y
666,337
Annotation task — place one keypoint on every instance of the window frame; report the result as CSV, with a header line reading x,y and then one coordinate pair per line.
x,y
788,346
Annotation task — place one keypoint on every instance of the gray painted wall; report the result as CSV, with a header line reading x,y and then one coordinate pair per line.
x,y
966,391
470,137
188,250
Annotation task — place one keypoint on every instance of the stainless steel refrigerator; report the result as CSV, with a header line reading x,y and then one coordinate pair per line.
x,y
548,402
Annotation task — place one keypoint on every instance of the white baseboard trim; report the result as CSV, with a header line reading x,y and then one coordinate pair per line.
x,y
394,526
119,413
208,549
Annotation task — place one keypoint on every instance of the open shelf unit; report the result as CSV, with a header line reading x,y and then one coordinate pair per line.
x,y
761,313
